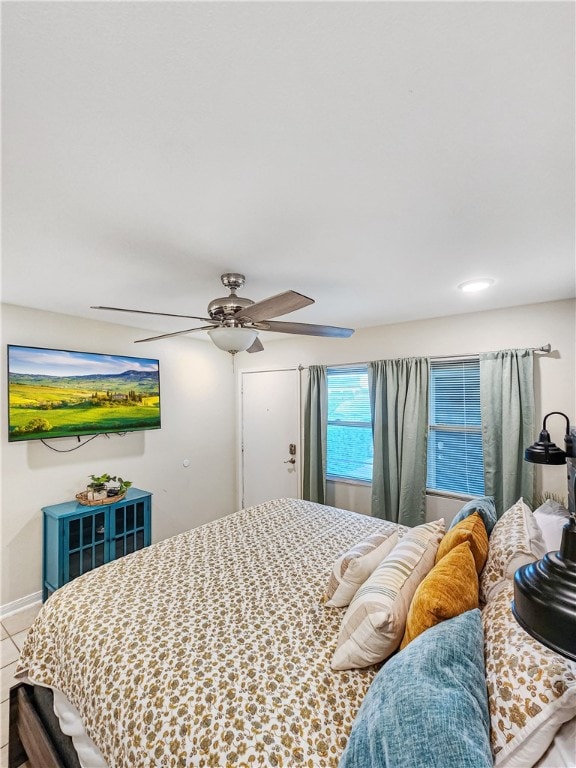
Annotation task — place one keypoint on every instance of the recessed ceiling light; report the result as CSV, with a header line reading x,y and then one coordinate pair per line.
x,y
480,284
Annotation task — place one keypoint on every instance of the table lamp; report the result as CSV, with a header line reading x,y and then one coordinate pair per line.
x,y
545,591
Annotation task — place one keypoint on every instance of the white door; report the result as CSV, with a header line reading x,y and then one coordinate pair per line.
x,y
270,435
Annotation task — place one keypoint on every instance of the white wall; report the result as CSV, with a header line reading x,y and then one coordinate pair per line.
x,y
196,381
198,399
524,326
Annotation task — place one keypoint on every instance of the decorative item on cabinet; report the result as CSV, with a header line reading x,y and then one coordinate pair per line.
x,y
80,537
104,489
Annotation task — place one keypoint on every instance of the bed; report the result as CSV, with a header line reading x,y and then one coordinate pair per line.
x,y
211,648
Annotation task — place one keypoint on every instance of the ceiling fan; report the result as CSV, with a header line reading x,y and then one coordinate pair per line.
x,y
234,322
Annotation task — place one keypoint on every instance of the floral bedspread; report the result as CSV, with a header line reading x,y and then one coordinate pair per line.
x,y
211,648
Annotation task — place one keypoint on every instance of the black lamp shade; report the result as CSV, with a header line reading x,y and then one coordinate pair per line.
x,y
545,596
544,451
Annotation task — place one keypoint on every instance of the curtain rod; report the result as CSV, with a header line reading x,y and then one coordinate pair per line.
x,y
545,348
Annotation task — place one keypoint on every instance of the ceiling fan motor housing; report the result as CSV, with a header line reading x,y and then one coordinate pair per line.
x,y
224,308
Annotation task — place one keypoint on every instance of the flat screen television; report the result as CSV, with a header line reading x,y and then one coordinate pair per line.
x,y
58,393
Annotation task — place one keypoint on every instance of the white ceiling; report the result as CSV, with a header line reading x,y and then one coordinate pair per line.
x,y
370,155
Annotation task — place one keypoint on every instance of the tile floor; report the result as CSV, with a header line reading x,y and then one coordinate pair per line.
x,y
13,630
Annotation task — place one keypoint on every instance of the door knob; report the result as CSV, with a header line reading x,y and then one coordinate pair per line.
x,y
291,460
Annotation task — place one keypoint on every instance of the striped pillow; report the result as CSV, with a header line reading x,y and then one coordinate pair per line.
x,y
353,567
374,623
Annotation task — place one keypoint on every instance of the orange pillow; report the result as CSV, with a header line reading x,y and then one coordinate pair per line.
x,y
472,530
451,588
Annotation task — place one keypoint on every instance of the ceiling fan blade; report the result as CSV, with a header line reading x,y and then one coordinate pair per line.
x,y
145,312
176,333
306,329
256,346
274,306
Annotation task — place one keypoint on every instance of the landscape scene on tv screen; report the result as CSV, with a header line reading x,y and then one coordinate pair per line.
x,y
57,393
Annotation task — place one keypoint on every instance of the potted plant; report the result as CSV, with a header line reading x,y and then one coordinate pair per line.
x,y
106,485
96,490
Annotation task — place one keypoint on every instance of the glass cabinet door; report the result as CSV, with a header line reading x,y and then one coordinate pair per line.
x,y
86,544
129,525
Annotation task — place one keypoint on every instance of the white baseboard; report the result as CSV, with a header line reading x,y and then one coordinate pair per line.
x,y
20,604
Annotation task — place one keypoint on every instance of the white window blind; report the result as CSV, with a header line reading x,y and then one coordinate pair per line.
x,y
455,459
350,446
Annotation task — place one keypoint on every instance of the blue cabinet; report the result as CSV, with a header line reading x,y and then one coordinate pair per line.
x,y
78,538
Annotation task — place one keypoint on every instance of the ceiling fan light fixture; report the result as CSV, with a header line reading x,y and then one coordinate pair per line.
x,y
233,339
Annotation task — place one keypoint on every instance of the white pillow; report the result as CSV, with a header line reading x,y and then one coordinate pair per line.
x,y
353,567
551,518
374,623
560,754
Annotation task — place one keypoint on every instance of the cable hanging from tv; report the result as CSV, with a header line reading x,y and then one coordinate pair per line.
x,y
81,444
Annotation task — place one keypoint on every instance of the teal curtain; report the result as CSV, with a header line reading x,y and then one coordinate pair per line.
x,y
399,402
507,408
315,435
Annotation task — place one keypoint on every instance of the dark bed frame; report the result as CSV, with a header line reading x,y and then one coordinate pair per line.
x,y
35,734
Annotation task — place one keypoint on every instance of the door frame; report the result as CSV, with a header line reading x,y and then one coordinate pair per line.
x,y
241,372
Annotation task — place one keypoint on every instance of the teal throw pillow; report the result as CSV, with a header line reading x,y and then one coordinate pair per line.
x,y
428,705
485,507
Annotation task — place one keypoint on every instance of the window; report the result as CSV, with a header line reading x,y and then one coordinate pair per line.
x,y
455,460
349,453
